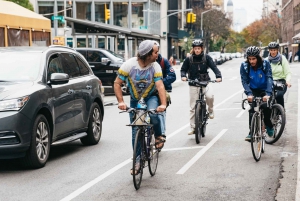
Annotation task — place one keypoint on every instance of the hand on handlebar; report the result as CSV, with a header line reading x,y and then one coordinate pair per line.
x,y
266,98
161,108
219,80
122,106
250,98
184,79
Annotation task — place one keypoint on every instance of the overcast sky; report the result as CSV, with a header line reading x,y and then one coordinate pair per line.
x,y
253,7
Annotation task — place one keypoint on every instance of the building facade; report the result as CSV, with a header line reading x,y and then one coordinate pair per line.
x,y
271,6
239,19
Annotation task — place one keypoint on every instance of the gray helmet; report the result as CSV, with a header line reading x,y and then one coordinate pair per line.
x,y
273,45
197,43
252,51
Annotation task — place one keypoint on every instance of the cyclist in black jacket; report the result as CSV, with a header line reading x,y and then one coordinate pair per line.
x,y
196,66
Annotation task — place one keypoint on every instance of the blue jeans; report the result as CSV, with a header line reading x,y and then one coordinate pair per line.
x,y
157,120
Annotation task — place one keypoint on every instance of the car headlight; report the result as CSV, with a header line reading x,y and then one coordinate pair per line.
x,y
13,104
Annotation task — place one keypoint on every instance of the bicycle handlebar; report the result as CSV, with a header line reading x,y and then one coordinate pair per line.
x,y
130,109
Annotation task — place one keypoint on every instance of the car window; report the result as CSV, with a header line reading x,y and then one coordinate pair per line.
x,y
54,66
94,56
84,70
83,52
70,65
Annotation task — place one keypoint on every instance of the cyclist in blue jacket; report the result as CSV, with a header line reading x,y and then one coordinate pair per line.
x,y
168,71
257,80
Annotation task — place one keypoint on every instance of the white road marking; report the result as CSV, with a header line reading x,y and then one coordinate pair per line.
x,y
183,148
298,142
240,91
95,181
177,131
242,112
201,152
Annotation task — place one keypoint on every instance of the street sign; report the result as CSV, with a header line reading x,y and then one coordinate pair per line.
x,y
61,18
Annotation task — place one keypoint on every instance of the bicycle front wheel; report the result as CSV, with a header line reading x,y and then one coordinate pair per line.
x,y
198,118
138,163
203,120
278,120
153,156
256,137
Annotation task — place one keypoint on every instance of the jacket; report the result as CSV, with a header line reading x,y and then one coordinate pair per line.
x,y
245,77
193,70
281,70
169,75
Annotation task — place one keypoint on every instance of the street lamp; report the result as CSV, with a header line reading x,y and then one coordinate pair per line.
x,y
202,19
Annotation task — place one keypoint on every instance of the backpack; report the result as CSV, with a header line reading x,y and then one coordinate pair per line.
x,y
204,76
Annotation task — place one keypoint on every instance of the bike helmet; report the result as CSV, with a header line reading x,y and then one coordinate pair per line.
x,y
252,51
273,45
197,43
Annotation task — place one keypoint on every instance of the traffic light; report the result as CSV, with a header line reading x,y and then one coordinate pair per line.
x,y
188,18
107,13
193,16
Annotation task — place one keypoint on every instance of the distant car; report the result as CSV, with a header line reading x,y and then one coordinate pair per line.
x,y
217,56
233,55
228,56
48,95
177,62
105,65
238,55
214,58
225,58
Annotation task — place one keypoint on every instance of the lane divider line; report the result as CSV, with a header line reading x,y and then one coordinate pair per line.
x,y
201,152
298,143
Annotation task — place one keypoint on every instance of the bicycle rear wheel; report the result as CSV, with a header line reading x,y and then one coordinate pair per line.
x,y
278,120
203,120
153,156
138,163
256,137
198,118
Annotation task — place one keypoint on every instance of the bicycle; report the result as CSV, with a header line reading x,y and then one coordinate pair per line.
x,y
145,141
201,114
257,128
278,117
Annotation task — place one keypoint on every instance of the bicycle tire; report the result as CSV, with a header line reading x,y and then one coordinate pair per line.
x,y
203,120
256,137
198,118
153,156
278,119
137,178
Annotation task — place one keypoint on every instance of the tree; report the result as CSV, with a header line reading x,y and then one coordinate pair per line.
x,y
23,3
187,45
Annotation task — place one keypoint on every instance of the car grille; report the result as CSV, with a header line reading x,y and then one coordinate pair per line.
x,y
9,138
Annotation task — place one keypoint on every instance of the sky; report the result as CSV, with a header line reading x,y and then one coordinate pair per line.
x,y
253,7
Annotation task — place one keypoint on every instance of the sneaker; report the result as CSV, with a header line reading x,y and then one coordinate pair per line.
x,y
270,131
211,115
248,138
191,132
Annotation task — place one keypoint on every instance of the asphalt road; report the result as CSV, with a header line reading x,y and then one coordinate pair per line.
x,y
221,167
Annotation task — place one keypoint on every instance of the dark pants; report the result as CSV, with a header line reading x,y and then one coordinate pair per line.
x,y
290,60
266,110
280,95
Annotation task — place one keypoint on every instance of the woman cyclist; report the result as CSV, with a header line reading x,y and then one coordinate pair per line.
x,y
256,76
196,66
280,70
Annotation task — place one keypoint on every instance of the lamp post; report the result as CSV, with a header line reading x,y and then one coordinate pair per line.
x,y
202,19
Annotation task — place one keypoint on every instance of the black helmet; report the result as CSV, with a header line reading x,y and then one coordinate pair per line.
x,y
273,45
197,43
252,51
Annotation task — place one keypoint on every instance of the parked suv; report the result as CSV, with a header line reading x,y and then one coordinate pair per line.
x,y
105,65
48,95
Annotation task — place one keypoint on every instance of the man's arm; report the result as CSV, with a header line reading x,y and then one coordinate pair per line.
x,y
170,73
118,91
162,96
244,79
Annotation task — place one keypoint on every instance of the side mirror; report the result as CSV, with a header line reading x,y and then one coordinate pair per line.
x,y
108,63
59,78
104,60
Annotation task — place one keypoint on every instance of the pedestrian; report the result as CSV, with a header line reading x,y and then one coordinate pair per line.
x,y
298,55
280,70
291,56
256,77
196,66
144,78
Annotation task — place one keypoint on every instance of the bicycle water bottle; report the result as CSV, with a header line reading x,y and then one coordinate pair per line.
x,y
141,107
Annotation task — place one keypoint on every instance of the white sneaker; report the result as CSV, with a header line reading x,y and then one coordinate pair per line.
x,y
191,132
211,115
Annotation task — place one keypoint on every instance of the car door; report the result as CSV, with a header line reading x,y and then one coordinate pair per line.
x,y
62,98
78,85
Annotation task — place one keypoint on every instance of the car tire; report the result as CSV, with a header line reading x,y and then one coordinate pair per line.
x,y
38,153
94,127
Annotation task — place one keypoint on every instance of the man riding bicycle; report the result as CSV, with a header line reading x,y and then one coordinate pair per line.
x,y
256,77
144,78
197,66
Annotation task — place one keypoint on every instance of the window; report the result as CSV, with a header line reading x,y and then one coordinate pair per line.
x,y
84,70
17,37
46,7
94,56
99,11
1,37
54,66
137,17
83,52
83,10
120,14
70,65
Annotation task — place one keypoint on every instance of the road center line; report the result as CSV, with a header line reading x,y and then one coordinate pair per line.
x,y
298,142
201,152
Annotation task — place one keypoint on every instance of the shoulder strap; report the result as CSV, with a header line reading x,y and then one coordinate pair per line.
x,y
204,58
162,63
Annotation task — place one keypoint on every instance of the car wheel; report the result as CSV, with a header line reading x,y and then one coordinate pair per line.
x,y
38,153
94,127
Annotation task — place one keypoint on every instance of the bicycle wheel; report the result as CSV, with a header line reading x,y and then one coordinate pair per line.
x,y
198,118
256,137
203,120
153,156
278,120
138,159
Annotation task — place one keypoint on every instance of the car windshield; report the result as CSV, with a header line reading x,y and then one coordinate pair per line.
x,y
115,54
16,66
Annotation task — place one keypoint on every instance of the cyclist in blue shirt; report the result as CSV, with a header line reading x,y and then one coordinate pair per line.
x,y
257,80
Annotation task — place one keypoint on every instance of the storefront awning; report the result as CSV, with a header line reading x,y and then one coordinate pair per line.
x,y
297,36
86,27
